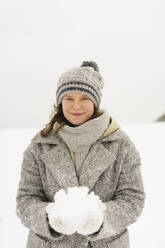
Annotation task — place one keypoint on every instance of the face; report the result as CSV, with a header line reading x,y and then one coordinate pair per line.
x,y
77,108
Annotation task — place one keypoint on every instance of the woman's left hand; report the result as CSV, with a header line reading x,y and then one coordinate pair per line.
x,y
91,223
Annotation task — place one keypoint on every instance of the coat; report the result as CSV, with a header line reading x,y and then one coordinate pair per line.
x,y
112,170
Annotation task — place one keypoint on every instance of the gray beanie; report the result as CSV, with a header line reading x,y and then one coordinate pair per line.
x,y
85,79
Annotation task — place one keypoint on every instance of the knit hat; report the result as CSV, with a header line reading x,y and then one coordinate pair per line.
x,y
85,79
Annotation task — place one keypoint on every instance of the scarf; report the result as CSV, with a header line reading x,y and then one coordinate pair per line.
x,y
81,137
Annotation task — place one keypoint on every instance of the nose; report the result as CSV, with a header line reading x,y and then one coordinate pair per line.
x,y
76,104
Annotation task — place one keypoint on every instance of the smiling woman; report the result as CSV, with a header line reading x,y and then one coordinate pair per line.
x,y
82,145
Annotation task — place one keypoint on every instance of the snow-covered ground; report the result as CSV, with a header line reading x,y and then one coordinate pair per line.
x,y
148,231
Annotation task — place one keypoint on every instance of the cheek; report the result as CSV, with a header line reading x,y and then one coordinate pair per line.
x,y
91,108
65,107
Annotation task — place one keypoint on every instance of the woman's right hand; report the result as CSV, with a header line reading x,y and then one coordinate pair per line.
x,y
59,222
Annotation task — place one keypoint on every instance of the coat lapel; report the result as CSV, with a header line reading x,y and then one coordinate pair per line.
x,y
59,162
97,161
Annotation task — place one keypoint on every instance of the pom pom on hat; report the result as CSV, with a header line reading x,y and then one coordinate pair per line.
x,y
91,64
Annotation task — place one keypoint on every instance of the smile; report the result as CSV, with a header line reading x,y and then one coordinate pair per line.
x,y
76,114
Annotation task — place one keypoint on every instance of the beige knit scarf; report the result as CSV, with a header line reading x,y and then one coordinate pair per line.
x,y
81,137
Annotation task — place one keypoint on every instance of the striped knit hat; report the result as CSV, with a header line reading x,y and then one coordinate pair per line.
x,y
85,79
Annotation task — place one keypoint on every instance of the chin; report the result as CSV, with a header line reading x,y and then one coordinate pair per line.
x,y
77,123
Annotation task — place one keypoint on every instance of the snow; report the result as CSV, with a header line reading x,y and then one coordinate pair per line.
x,y
149,139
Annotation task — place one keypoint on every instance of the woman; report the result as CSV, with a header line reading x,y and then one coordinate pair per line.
x,y
82,145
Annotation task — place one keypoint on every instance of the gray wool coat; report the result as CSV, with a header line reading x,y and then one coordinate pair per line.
x,y
112,170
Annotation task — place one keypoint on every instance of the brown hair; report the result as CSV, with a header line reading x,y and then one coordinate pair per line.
x,y
58,116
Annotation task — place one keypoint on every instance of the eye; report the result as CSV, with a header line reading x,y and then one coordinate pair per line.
x,y
85,98
68,98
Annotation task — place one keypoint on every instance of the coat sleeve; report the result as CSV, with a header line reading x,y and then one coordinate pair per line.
x,y
129,197
30,198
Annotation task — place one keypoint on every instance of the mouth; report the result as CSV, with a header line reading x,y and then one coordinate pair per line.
x,y
76,114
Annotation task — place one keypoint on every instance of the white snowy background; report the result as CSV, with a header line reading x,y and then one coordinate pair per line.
x,y
148,231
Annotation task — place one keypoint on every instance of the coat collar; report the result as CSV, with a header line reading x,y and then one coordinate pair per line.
x,y
59,161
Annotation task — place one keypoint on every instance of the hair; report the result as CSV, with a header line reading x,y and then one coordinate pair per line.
x,y
58,116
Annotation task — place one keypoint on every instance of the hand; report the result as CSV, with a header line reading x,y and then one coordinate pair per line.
x,y
60,222
76,210
91,223
62,213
